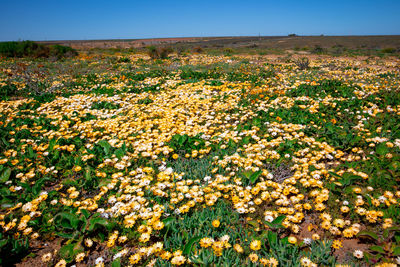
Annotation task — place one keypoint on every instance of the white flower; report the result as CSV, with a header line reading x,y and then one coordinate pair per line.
x,y
358,254
241,210
269,218
162,168
382,199
345,203
169,170
99,260
307,241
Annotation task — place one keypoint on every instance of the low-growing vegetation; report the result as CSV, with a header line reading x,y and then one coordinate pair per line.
x,y
35,50
119,159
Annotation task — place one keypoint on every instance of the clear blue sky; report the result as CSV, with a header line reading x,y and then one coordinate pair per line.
x,y
88,19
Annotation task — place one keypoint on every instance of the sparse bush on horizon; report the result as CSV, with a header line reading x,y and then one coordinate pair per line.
x,y
158,52
35,50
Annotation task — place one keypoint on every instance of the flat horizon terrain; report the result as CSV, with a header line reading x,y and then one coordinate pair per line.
x,y
282,42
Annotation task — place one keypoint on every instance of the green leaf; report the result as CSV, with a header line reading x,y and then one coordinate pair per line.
x,y
378,249
5,175
278,220
385,233
396,251
168,221
188,247
272,237
66,252
3,242
106,146
65,235
67,220
253,223
335,174
119,153
98,221
368,234
85,213
381,149
116,263
247,174
254,176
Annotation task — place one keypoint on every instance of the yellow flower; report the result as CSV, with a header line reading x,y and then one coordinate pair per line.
x,y
253,257
344,209
135,258
46,257
206,242
273,262
61,263
255,245
77,168
337,244
175,156
238,248
292,240
178,260
315,237
264,261
216,223
80,257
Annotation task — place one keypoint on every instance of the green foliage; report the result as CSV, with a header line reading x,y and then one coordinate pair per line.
x,y
325,87
35,50
185,144
12,249
7,91
386,244
104,105
145,101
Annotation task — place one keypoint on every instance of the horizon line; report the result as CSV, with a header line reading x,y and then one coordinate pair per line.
x,y
211,36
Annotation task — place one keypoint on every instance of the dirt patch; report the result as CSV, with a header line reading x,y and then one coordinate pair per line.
x,y
38,248
345,254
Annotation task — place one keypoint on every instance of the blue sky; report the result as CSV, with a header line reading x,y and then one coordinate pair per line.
x,y
87,19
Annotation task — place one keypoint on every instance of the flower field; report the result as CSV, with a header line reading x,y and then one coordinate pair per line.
x,y
199,160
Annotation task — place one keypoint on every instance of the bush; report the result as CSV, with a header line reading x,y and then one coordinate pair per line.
x,y
164,52
303,63
388,50
35,50
318,49
61,51
198,49
158,53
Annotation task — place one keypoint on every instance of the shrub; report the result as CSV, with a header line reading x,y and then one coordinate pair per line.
x,y
197,49
158,53
35,50
124,60
318,49
303,63
388,50
61,51
164,52
228,51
